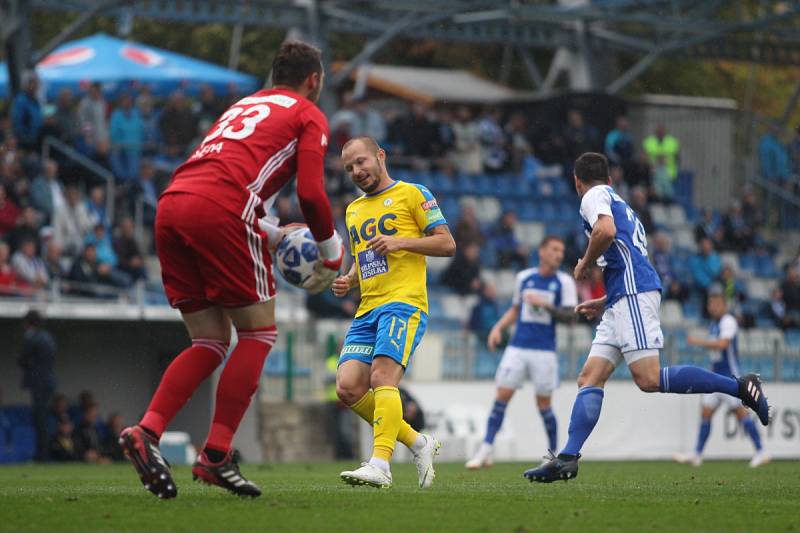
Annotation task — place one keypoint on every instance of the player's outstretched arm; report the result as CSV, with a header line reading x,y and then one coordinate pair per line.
x,y
496,335
344,284
603,234
438,243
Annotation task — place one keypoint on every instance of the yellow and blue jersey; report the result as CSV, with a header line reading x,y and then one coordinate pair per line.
x,y
394,298
401,210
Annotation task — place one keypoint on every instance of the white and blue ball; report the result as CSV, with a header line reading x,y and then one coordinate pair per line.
x,y
296,256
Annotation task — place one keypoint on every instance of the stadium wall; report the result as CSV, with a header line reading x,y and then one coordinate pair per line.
x,y
633,425
705,128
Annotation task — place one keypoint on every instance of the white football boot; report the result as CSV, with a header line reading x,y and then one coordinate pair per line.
x,y
482,459
424,461
688,459
760,458
369,475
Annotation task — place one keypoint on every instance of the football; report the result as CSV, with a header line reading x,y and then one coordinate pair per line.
x,y
296,255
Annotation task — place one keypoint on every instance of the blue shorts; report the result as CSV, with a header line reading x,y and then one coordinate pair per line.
x,y
392,330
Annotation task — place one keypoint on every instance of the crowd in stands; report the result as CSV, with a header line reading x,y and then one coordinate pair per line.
x,y
54,226
78,433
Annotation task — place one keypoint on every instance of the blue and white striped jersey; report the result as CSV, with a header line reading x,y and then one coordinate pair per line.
x,y
725,362
626,269
536,328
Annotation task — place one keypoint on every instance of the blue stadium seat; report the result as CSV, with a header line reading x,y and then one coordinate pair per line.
x,y
765,267
791,369
23,443
18,415
792,337
529,211
747,262
486,364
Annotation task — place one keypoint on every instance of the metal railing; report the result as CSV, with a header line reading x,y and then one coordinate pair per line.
x,y
50,143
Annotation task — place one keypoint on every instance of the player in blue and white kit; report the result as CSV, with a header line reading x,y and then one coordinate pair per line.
x,y
723,345
630,329
542,296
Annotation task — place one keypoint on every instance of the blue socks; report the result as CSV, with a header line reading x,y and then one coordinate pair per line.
x,y
495,421
551,426
585,413
686,379
751,430
702,437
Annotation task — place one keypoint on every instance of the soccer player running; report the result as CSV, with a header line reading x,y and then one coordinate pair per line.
x,y
215,258
723,347
630,329
542,297
392,228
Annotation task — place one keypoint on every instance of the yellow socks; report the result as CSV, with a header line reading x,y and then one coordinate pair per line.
x,y
386,422
365,408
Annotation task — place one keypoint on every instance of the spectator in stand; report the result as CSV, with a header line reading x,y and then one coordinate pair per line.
x,y
167,161
510,253
178,124
92,117
468,229
517,133
494,144
750,210
9,213
128,251
26,113
463,274
53,261
111,448
661,257
326,305
739,236
59,411
663,145
90,277
287,211
485,314
794,154
208,107
37,360
593,287
27,228
89,438
151,131
29,267
372,120
146,189
100,238
640,206
579,136
47,193
790,287
346,122
71,223
9,284
127,139
618,182
773,156
733,289
619,145
466,154
776,310
709,227
96,206
705,266
62,446
663,187
66,116
445,136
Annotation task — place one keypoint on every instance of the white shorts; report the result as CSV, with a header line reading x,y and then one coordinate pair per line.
x,y
540,366
717,399
630,329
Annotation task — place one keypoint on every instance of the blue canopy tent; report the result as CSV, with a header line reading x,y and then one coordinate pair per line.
x,y
119,65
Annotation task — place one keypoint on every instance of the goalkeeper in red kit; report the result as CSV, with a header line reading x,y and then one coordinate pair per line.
x,y
213,243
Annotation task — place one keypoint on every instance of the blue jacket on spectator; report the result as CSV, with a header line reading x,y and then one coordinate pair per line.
x,y
26,117
105,250
127,129
705,269
774,158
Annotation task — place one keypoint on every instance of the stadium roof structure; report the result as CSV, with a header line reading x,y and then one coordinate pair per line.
x,y
645,30
429,85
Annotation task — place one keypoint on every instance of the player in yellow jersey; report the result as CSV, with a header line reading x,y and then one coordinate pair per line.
x,y
392,228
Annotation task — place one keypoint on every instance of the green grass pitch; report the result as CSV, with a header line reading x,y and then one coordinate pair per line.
x,y
619,496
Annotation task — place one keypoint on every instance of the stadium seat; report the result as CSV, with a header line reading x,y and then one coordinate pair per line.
x,y
732,259
671,313
458,307
18,415
505,283
489,210
684,238
760,288
660,215
676,217
23,443
765,267
437,265
529,234
486,363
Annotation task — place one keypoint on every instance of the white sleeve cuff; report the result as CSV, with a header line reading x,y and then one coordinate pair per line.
x,y
271,229
330,248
